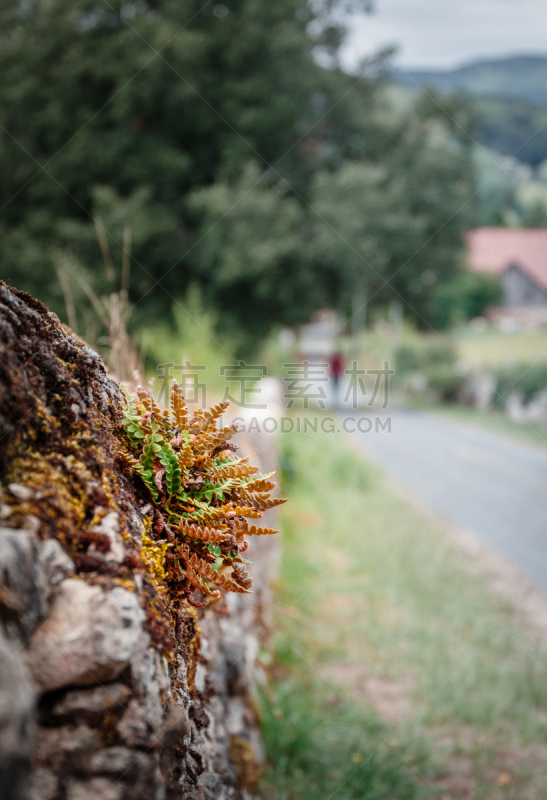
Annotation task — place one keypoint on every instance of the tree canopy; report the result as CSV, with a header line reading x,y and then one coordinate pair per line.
x,y
226,138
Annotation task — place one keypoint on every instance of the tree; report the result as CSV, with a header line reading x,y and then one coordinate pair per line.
x,y
215,136
152,98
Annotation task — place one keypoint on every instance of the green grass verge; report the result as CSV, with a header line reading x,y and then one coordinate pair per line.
x,y
323,748
396,668
491,349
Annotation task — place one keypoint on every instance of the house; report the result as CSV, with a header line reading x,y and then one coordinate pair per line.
x,y
519,257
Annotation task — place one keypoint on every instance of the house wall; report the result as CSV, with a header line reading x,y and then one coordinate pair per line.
x,y
519,290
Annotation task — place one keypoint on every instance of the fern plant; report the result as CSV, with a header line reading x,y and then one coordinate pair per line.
x,y
202,495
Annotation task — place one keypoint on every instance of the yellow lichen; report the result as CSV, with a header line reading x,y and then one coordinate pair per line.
x,y
153,555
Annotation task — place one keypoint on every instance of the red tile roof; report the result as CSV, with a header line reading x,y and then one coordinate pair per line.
x,y
496,249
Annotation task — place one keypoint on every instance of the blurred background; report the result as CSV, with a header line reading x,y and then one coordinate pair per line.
x,y
350,183
267,164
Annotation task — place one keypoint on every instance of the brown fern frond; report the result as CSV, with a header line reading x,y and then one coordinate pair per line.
x,y
185,457
218,438
252,530
205,534
178,407
147,399
261,484
241,576
233,463
202,586
271,502
247,511
130,460
196,603
226,583
259,497
220,580
215,413
206,571
228,471
208,513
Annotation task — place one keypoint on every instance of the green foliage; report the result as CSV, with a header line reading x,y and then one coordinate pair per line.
x,y
217,138
193,337
444,382
436,362
511,125
465,297
390,221
423,355
251,255
320,749
407,360
510,193
201,494
146,103
526,379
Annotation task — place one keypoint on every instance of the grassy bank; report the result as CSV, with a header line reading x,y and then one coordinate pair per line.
x,y
491,348
397,673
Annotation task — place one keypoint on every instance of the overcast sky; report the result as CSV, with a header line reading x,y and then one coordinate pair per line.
x,y
447,33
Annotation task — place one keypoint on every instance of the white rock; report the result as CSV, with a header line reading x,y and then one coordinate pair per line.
x,y
91,704
94,789
21,586
17,709
110,526
90,636
55,564
43,785
21,492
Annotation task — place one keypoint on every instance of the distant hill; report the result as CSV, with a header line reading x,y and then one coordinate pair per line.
x,y
518,77
508,99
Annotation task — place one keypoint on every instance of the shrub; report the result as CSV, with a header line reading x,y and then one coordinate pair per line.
x,y
445,382
465,297
407,360
528,379
435,360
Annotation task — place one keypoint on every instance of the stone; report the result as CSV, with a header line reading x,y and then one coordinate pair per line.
x,y
143,719
43,785
236,677
55,565
32,524
94,789
109,741
17,704
89,705
109,526
121,761
133,727
21,597
56,746
90,636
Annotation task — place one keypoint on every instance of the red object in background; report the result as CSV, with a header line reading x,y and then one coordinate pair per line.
x,y
337,365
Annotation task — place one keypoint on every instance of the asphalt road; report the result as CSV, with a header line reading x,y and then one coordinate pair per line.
x,y
478,480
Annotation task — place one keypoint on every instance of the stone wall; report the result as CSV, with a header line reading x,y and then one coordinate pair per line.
x,y
99,698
